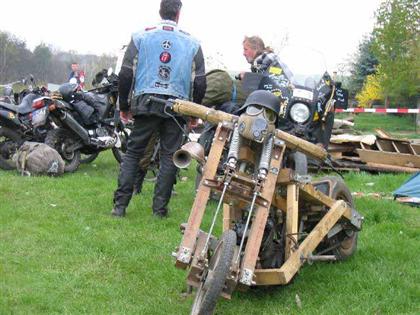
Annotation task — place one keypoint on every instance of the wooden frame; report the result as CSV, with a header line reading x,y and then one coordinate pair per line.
x,y
238,196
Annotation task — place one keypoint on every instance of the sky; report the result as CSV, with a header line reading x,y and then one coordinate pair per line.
x,y
332,27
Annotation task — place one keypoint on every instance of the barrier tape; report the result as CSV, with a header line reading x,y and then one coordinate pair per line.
x,y
379,110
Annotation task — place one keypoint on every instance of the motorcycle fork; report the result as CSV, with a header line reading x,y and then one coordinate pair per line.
x,y
256,231
186,250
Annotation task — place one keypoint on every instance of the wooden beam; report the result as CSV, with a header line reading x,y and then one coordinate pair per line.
x,y
389,158
227,217
295,261
291,218
186,248
308,190
258,225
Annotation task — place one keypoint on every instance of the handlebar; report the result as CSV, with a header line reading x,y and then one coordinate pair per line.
x,y
158,100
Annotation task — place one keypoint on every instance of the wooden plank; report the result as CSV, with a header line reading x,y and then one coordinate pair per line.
x,y
403,147
385,145
227,217
302,145
388,158
392,168
318,197
285,176
292,265
336,155
200,202
416,148
291,218
258,225
381,133
285,273
280,203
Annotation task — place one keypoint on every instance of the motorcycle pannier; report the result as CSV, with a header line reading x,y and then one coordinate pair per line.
x,y
221,88
35,158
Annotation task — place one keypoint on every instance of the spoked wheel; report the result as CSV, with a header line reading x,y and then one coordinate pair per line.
x,y
120,151
10,142
62,141
344,243
214,277
88,158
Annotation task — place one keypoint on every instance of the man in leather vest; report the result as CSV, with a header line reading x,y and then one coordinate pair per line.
x,y
169,64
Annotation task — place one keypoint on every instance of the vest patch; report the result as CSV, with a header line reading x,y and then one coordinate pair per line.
x,y
164,73
166,44
165,57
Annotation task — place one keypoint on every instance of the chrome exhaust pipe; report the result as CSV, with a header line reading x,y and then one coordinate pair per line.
x,y
191,150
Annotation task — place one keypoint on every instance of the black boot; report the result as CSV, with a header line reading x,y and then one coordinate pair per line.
x,y
118,212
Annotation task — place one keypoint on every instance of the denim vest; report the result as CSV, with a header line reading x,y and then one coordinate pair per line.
x,y
165,60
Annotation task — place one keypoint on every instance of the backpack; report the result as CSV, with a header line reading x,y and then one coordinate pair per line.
x,y
35,158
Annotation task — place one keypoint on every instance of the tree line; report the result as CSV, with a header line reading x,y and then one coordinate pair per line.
x,y
386,67
45,63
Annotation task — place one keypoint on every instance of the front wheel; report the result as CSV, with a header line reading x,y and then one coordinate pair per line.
x,y
10,142
213,278
63,142
88,158
120,151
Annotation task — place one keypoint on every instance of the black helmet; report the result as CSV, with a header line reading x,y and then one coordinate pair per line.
x,y
67,90
263,98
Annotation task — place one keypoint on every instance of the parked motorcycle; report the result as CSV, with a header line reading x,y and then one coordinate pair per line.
x,y
87,122
18,123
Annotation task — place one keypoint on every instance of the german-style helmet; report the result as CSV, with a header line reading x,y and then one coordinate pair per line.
x,y
263,98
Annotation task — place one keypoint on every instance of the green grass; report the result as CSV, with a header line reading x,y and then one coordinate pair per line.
x,y
62,253
394,124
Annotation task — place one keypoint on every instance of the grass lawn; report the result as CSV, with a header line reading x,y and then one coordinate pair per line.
x,y
397,125
62,253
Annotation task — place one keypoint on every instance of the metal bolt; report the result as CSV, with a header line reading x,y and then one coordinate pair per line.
x,y
220,138
265,203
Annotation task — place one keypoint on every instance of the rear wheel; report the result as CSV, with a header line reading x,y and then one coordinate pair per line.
x,y
344,243
10,142
63,142
213,278
298,162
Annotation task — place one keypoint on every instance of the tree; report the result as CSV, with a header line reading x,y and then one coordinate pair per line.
x,y
371,90
42,62
364,65
396,45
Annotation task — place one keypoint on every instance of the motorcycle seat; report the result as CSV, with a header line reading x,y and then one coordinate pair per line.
x,y
23,108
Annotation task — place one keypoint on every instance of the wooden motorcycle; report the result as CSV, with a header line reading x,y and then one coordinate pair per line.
x,y
273,219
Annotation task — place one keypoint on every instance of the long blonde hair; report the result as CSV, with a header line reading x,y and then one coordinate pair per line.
x,y
257,44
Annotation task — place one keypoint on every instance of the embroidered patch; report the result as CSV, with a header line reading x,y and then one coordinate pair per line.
x,y
164,73
165,57
168,28
161,85
166,44
149,28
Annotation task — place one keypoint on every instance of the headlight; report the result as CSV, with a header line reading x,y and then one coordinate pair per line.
x,y
299,112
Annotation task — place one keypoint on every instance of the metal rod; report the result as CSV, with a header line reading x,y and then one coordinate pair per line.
x,y
246,226
226,183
